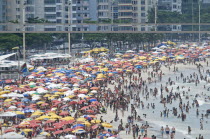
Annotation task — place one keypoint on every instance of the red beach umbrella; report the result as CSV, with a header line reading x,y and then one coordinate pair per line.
x,y
9,130
64,113
58,132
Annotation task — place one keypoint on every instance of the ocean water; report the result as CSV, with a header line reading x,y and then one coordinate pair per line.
x,y
153,115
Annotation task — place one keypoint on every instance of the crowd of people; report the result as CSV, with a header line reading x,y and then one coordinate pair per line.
x,y
71,102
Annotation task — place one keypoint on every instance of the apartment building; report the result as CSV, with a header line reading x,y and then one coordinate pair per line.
x,y
125,12
50,11
173,6
2,13
62,12
83,11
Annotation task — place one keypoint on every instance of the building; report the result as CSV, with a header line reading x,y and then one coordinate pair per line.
x,y
84,11
125,12
172,6
2,14
51,11
77,12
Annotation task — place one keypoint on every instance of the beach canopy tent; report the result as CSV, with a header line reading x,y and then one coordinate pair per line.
x,y
11,135
7,114
49,56
6,56
10,65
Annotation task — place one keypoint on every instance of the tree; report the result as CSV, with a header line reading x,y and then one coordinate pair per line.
x,y
37,20
37,40
8,41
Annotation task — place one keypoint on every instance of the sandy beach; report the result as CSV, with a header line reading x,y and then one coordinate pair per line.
x,y
155,124
146,95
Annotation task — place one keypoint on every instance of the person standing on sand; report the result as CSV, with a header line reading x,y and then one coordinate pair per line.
x,y
189,130
142,130
173,130
127,129
167,130
162,131
134,131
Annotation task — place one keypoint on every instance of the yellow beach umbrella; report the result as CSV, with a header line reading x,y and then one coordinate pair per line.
x,y
40,102
8,100
45,133
59,93
71,96
19,113
67,118
107,125
86,123
96,121
27,130
47,95
81,119
43,117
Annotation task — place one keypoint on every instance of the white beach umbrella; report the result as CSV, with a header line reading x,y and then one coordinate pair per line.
x,y
70,137
11,135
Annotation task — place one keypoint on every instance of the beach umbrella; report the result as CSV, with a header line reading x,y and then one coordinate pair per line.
x,y
55,117
79,131
70,137
81,95
35,121
78,125
58,132
94,88
50,121
86,123
72,102
8,100
24,123
19,113
64,113
81,119
67,130
106,125
69,121
93,99
43,117
67,118
9,130
81,101
33,125
27,130
45,133
89,111
93,91
96,121
49,129
27,110
11,135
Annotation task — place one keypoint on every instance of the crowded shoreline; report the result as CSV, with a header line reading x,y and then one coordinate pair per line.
x,y
113,97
